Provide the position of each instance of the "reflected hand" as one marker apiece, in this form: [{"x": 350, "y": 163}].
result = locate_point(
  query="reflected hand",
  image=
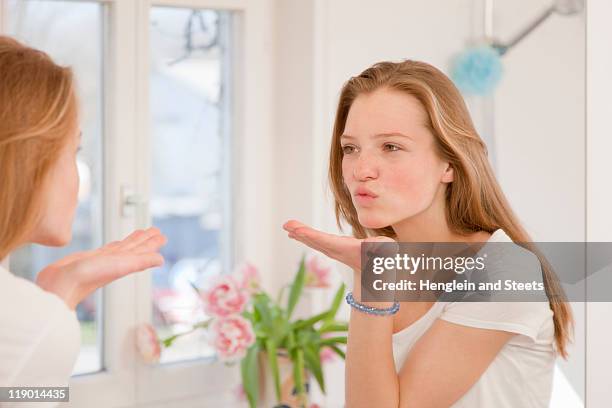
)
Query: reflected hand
[
  {"x": 76, "y": 276},
  {"x": 344, "y": 249}
]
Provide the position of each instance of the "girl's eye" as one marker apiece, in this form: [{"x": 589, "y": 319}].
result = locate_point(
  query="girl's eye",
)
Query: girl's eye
[
  {"x": 348, "y": 149},
  {"x": 391, "y": 147}
]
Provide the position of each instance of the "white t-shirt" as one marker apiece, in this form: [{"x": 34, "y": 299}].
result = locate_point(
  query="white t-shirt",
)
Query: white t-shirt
[
  {"x": 522, "y": 372},
  {"x": 39, "y": 337}
]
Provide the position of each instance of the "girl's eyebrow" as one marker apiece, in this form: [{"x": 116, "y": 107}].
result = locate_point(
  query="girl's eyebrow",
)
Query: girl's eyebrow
[
  {"x": 393, "y": 134},
  {"x": 380, "y": 135}
]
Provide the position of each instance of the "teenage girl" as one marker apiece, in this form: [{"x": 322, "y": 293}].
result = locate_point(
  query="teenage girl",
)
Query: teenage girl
[{"x": 407, "y": 164}]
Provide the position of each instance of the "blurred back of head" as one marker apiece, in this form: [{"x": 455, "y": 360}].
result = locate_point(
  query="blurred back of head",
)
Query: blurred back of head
[{"x": 38, "y": 113}]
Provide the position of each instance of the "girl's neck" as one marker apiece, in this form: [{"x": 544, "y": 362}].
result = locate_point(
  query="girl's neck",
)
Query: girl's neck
[{"x": 423, "y": 228}]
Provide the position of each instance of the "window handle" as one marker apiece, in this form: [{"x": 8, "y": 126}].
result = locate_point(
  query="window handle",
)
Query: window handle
[{"x": 131, "y": 201}]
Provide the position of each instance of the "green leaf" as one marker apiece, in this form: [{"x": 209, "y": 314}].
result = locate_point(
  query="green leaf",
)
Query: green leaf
[
  {"x": 298, "y": 371},
  {"x": 290, "y": 341},
  {"x": 307, "y": 337},
  {"x": 296, "y": 287},
  {"x": 336, "y": 302},
  {"x": 250, "y": 375},
  {"x": 273, "y": 360},
  {"x": 337, "y": 350},
  {"x": 333, "y": 340},
  {"x": 281, "y": 292},
  {"x": 261, "y": 306},
  {"x": 309, "y": 322},
  {"x": 333, "y": 326},
  {"x": 313, "y": 361},
  {"x": 280, "y": 326}
]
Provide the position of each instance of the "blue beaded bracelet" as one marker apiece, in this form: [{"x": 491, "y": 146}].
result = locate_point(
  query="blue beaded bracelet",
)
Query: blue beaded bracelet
[{"x": 369, "y": 309}]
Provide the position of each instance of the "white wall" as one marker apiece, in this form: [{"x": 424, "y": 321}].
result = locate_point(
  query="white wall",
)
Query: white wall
[
  {"x": 539, "y": 125},
  {"x": 599, "y": 194},
  {"x": 538, "y": 120}
]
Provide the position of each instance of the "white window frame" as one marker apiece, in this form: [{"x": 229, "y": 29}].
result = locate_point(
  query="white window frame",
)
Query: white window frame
[{"x": 126, "y": 382}]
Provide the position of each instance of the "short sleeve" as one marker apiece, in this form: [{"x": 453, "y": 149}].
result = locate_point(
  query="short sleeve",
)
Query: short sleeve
[{"x": 526, "y": 318}]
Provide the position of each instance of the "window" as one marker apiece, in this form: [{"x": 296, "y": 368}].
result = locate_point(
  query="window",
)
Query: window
[{"x": 190, "y": 180}]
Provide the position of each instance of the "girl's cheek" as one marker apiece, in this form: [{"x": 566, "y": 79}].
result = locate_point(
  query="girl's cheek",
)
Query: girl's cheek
[
  {"x": 399, "y": 178},
  {"x": 346, "y": 172}
]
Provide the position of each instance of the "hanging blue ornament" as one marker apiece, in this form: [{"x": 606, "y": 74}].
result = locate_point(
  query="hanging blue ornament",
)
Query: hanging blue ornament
[{"x": 477, "y": 70}]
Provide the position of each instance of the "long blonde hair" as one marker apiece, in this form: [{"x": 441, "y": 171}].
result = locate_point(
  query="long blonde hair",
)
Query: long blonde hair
[
  {"x": 474, "y": 200},
  {"x": 38, "y": 112}
]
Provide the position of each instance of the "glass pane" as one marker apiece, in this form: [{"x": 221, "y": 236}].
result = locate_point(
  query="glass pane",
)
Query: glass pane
[
  {"x": 190, "y": 198},
  {"x": 51, "y": 26}
]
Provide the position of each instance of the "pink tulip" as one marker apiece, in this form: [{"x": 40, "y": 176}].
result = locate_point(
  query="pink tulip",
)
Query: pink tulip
[
  {"x": 317, "y": 273},
  {"x": 327, "y": 355},
  {"x": 232, "y": 336},
  {"x": 248, "y": 278},
  {"x": 224, "y": 298},
  {"x": 147, "y": 343},
  {"x": 240, "y": 393}
]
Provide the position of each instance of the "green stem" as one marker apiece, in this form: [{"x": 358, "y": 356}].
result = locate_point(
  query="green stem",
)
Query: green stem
[{"x": 167, "y": 342}]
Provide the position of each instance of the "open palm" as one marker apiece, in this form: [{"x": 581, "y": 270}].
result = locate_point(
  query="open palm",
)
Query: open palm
[
  {"x": 76, "y": 276},
  {"x": 344, "y": 249}
]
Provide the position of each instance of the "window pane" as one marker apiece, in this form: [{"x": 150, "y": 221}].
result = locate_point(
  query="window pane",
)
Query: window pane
[
  {"x": 190, "y": 198},
  {"x": 71, "y": 32}
]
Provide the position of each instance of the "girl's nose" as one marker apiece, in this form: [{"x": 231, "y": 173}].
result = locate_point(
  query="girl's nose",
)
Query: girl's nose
[{"x": 365, "y": 168}]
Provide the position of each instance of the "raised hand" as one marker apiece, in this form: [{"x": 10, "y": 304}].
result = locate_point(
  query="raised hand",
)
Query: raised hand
[
  {"x": 76, "y": 276},
  {"x": 344, "y": 249}
]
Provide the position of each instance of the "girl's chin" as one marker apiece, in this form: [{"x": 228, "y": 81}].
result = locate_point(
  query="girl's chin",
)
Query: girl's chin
[{"x": 372, "y": 223}]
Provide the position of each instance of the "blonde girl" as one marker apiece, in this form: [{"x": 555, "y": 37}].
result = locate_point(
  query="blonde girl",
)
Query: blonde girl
[{"x": 407, "y": 164}]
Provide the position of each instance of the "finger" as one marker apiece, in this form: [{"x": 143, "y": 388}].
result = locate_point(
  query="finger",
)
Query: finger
[
  {"x": 128, "y": 264},
  {"x": 347, "y": 251},
  {"x": 112, "y": 245},
  {"x": 135, "y": 236},
  {"x": 138, "y": 237},
  {"x": 320, "y": 239},
  {"x": 291, "y": 225},
  {"x": 152, "y": 244},
  {"x": 333, "y": 246},
  {"x": 141, "y": 262}
]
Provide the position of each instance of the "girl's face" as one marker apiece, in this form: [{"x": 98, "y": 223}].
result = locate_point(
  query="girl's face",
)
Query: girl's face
[
  {"x": 60, "y": 198},
  {"x": 390, "y": 164}
]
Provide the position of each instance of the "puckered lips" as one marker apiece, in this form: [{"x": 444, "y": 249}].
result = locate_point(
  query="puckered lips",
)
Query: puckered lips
[{"x": 364, "y": 196}]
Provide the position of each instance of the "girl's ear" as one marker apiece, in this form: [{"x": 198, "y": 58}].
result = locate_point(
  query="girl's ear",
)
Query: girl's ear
[{"x": 448, "y": 176}]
